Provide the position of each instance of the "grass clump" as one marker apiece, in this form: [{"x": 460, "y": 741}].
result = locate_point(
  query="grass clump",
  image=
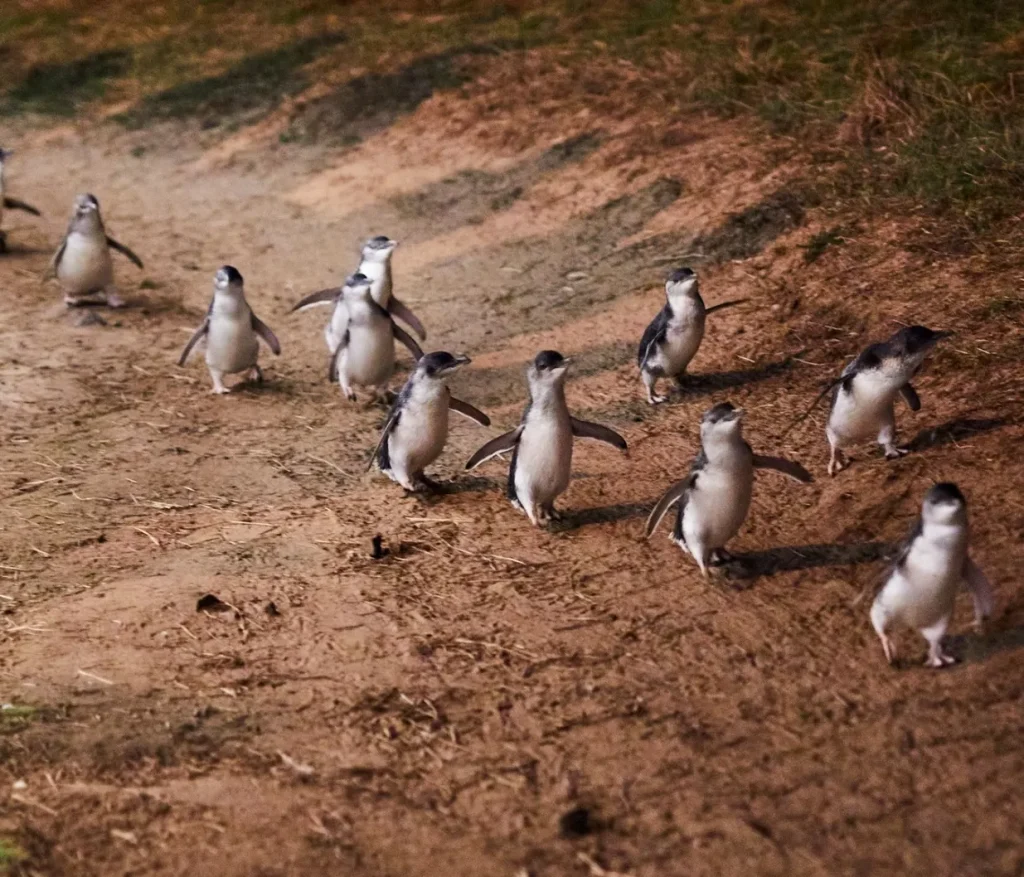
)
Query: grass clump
[{"x": 10, "y": 855}]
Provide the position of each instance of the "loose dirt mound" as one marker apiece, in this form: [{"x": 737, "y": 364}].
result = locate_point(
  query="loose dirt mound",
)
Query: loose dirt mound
[{"x": 487, "y": 698}]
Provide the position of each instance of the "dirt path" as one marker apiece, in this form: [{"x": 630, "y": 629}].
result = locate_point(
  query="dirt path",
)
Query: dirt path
[{"x": 489, "y": 699}]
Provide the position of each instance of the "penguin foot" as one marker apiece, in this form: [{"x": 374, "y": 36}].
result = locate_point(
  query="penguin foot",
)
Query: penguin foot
[
  {"x": 837, "y": 464},
  {"x": 653, "y": 399},
  {"x": 720, "y": 557},
  {"x": 894, "y": 453},
  {"x": 113, "y": 300},
  {"x": 939, "y": 660},
  {"x": 256, "y": 374},
  {"x": 889, "y": 647},
  {"x": 220, "y": 391},
  {"x": 350, "y": 395}
]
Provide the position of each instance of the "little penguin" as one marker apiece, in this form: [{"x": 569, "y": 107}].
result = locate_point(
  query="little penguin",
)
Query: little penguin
[
  {"x": 674, "y": 336},
  {"x": 542, "y": 443},
  {"x": 8, "y": 203},
  {"x": 932, "y": 564},
  {"x": 417, "y": 427},
  {"x": 82, "y": 263},
  {"x": 231, "y": 330},
  {"x": 365, "y": 354},
  {"x": 376, "y": 266},
  {"x": 714, "y": 498},
  {"x": 864, "y": 395}
]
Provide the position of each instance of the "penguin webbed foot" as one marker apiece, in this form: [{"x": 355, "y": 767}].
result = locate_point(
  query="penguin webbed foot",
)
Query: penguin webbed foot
[
  {"x": 656, "y": 399},
  {"x": 256, "y": 375},
  {"x": 894, "y": 453},
  {"x": 721, "y": 557}
]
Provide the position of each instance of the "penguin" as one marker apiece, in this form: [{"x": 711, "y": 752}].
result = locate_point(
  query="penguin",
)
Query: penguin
[
  {"x": 8, "y": 203},
  {"x": 714, "y": 498},
  {"x": 231, "y": 330},
  {"x": 864, "y": 395},
  {"x": 922, "y": 585},
  {"x": 417, "y": 427},
  {"x": 365, "y": 354},
  {"x": 674, "y": 336},
  {"x": 375, "y": 264},
  {"x": 542, "y": 443},
  {"x": 82, "y": 263}
]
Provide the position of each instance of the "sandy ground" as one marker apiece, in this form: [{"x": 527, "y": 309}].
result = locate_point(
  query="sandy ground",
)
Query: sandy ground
[{"x": 489, "y": 698}]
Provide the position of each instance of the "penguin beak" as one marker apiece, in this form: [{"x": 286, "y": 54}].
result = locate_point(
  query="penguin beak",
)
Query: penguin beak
[
  {"x": 940, "y": 335},
  {"x": 460, "y": 360}
]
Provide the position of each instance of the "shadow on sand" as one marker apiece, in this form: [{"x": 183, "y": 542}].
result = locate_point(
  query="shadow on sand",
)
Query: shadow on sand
[
  {"x": 788, "y": 559},
  {"x": 708, "y": 382},
  {"x": 954, "y": 431}
]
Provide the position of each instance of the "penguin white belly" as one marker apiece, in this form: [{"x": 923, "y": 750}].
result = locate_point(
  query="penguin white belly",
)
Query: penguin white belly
[
  {"x": 718, "y": 507},
  {"x": 336, "y": 328},
  {"x": 419, "y": 438},
  {"x": 680, "y": 346},
  {"x": 231, "y": 345},
  {"x": 85, "y": 264},
  {"x": 543, "y": 460},
  {"x": 923, "y": 590},
  {"x": 861, "y": 413},
  {"x": 377, "y": 273},
  {"x": 369, "y": 358}
]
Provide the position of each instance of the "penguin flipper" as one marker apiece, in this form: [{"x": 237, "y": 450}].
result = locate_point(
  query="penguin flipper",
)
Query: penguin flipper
[
  {"x": 835, "y": 382},
  {"x": 786, "y": 467},
  {"x": 586, "y": 429},
  {"x": 15, "y": 204},
  {"x": 264, "y": 331},
  {"x": 51, "y": 269},
  {"x": 321, "y": 297},
  {"x": 653, "y": 335},
  {"x": 380, "y": 451},
  {"x": 495, "y": 446},
  {"x": 407, "y": 339},
  {"x": 910, "y": 396},
  {"x": 981, "y": 590},
  {"x": 332, "y": 370},
  {"x": 124, "y": 251},
  {"x": 199, "y": 333},
  {"x": 398, "y": 309},
  {"x": 678, "y": 492},
  {"x": 725, "y": 304},
  {"x": 467, "y": 410}
]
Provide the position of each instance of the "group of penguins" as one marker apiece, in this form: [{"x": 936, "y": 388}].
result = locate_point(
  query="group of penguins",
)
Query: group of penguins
[{"x": 711, "y": 502}]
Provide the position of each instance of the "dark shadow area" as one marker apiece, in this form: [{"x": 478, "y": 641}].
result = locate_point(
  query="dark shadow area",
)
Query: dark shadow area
[
  {"x": 470, "y": 484},
  {"x": 776, "y": 560},
  {"x": 710, "y": 382},
  {"x": 745, "y": 234},
  {"x": 370, "y": 103},
  {"x": 955, "y": 431},
  {"x": 469, "y": 197},
  {"x": 59, "y": 89},
  {"x": 975, "y": 647},
  {"x": 256, "y": 84},
  {"x": 573, "y": 520}
]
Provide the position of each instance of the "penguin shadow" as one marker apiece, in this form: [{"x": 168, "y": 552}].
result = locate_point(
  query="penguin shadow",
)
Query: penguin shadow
[
  {"x": 979, "y": 646},
  {"x": 954, "y": 431},
  {"x": 773, "y": 561},
  {"x": 710, "y": 382},
  {"x": 13, "y": 252},
  {"x": 574, "y": 520},
  {"x": 467, "y": 484}
]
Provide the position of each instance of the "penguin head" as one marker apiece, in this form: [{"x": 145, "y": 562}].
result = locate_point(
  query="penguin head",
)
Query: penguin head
[
  {"x": 227, "y": 279},
  {"x": 548, "y": 369},
  {"x": 913, "y": 343},
  {"x": 379, "y": 248},
  {"x": 86, "y": 213},
  {"x": 721, "y": 421},
  {"x": 944, "y": 504},
  {"x": 681, "y": 283},
  {"x": 440, "y": 364},
  {"x": 356, "y": 288}
]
